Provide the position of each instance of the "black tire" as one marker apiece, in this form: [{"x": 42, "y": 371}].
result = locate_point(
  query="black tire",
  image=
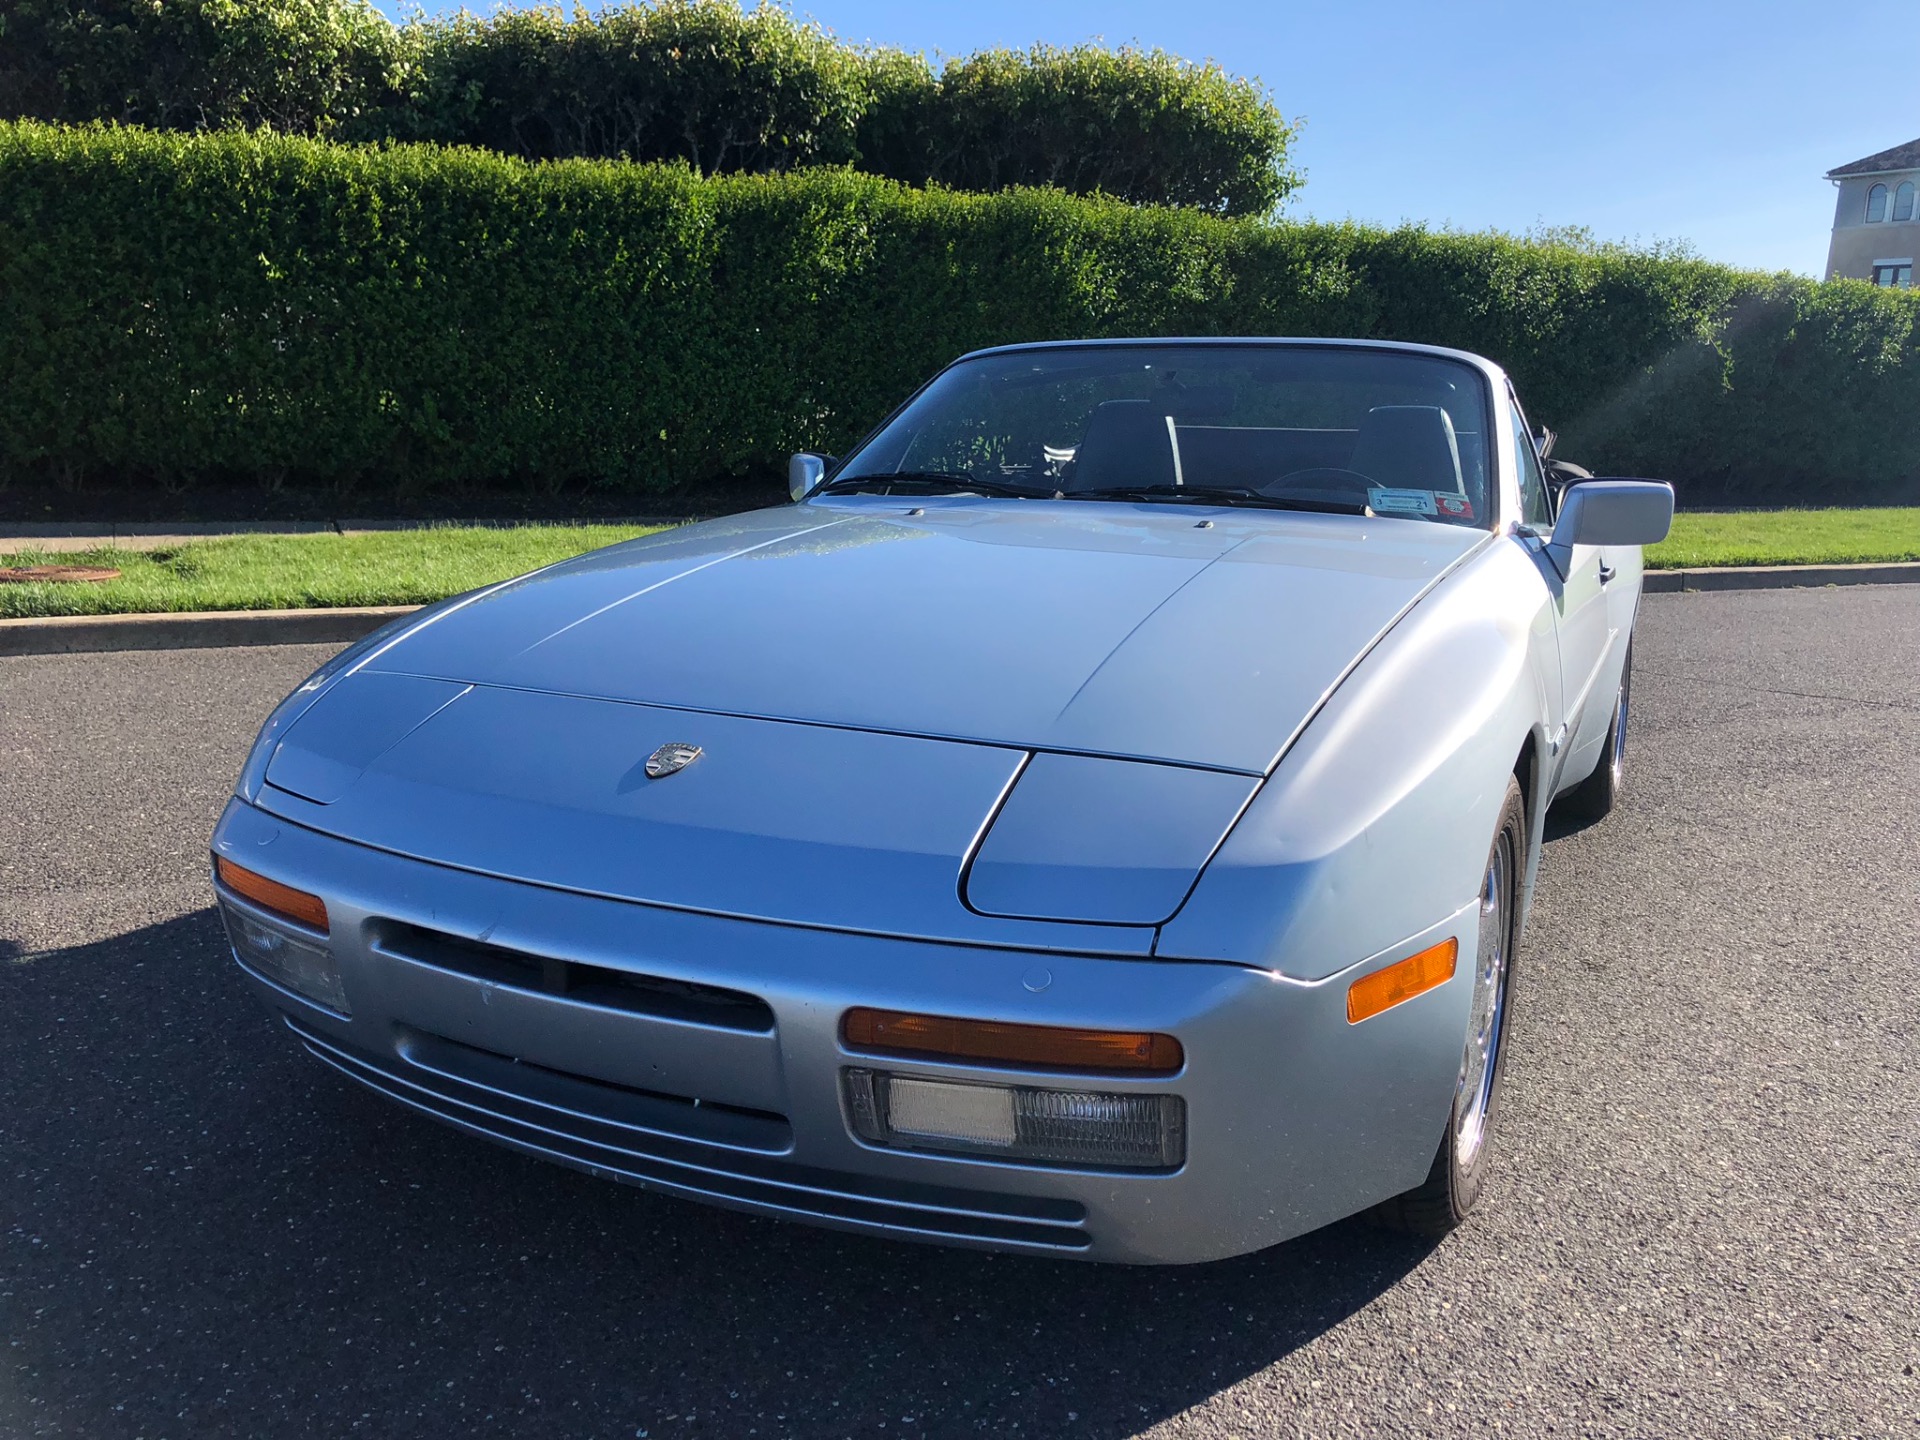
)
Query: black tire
[
  {"x": 1594, "y": 797},
  {"x": 1459, "y": 1168}
]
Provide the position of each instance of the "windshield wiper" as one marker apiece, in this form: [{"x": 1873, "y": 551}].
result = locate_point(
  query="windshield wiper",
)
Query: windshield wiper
[
  {"x": 1221, "y": 495},
  {"x": 931, "y": 482}
]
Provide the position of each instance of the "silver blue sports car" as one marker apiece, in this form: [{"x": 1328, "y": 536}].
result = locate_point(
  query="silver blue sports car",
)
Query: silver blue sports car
[{"x": 1096, "y": 819}]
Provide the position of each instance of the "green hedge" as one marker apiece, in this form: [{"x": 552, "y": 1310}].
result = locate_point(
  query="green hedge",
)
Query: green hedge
[
  {"x": 186, "y": 310},
  {"x": 704, "y": 81}
]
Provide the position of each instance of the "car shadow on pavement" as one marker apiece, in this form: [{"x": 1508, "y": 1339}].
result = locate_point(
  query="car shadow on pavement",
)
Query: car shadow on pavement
[
  {"x": 208, "y": 1233},
  {"x": 1560, "y": 826}
]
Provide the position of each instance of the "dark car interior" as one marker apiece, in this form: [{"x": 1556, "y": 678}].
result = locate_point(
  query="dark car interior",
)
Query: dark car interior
[
  {"x": 1352, "y": 431},
  {"x": 1131, "y": 443}
]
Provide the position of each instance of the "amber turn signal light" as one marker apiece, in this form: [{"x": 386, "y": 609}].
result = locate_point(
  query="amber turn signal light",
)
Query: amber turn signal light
[
  {"x": 1054, "y": 1047},
  {"x": 284, "y": 900},
  {"x": 1402, "y": 980}
]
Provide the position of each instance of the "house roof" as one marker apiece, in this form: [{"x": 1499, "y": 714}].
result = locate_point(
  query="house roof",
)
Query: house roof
[{"x": 1900, "y": 157}]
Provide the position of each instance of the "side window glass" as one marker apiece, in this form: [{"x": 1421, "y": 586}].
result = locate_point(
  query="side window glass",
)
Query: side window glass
[{"x": 1536, "y": 509}]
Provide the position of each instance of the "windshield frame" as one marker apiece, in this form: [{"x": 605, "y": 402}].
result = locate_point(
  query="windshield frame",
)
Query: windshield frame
[{"x": 1491, "y": 412}]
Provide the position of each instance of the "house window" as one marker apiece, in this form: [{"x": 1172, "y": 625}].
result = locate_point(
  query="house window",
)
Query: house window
[
  {"x": 1903, "y": 201},
  {"x": 1876, "y": 204},
  {"x": 1894, "y": 274}
]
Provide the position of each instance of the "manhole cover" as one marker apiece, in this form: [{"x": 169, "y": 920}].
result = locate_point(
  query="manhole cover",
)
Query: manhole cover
[{"x": 70, "y": 574}]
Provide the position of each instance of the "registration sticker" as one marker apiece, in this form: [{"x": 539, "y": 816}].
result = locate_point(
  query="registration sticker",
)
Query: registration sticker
[
  {"x": 1400, "y": 502},
  {"x": 1459, "y": 507}
]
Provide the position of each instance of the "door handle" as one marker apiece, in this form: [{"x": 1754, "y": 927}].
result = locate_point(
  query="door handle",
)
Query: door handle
[{"x": 1607, "y": 572}]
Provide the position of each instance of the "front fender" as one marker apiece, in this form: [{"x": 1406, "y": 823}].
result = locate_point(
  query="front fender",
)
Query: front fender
[{"x": 1376, "y": 823}]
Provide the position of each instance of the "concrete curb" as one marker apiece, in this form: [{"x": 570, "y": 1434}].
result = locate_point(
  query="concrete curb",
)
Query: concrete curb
[
  {"x": 192, "y": 630},
  {"x": 1777, "y": 577}
]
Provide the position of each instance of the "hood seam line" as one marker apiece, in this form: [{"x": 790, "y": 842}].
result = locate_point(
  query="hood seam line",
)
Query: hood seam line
[
  {"x": 1121, "y": 643},
  {"x": 669, "y": 579}
]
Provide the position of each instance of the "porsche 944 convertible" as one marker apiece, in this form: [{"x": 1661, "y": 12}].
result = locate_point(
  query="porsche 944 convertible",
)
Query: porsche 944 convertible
[{"x": 1096, "y": 819}]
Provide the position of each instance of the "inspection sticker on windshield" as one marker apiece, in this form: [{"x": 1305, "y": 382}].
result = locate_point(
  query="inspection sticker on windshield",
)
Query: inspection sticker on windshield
[
  {"x": 1400, "y": 502},
  {"x": 1458, "y": 506}
]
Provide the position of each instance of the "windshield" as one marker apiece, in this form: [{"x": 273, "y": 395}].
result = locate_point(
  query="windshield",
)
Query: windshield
[{"x": 1317, "y": 427}]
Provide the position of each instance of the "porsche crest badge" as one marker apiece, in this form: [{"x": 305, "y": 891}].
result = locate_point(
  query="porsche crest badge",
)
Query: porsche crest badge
[{"x": 671, "y": 760}]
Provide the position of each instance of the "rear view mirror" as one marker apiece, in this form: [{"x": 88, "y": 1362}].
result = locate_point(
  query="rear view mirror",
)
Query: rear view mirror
[
  {"x": 1611, "y": 512},
  {"x": 804, "y": 471}
]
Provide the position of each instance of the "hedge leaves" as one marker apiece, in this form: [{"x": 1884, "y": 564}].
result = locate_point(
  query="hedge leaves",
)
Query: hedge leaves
[
  {"x": 703, "y": 81},
  {"x": 181, "y": 309}
]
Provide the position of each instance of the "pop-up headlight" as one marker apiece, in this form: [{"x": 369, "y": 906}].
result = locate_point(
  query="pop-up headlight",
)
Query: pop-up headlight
[{"x": 1108, "y": 841}]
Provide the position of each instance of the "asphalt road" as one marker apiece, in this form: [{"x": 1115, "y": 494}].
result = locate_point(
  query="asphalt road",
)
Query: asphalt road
[{"x": 1705, "y": 1220}]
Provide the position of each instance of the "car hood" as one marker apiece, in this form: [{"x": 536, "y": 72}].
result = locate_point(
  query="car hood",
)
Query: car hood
[{"x": 1168, "y": 633}]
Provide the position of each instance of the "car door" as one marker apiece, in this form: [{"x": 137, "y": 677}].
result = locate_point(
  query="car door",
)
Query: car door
[{"x": 1580, "y": 606}]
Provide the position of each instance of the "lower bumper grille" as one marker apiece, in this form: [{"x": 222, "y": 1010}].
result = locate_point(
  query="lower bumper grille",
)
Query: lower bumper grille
[{"x": 719, "y": 1155}]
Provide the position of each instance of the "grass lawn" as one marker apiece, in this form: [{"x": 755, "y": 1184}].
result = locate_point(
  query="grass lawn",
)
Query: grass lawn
[
  {"x": 1788, "y": 537},
  {"x": 410, "y": 567},
  {"x": 284, "y": 572}
]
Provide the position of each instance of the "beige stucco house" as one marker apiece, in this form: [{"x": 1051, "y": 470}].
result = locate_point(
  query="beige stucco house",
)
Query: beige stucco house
[{"x": 1876, "y": 222}]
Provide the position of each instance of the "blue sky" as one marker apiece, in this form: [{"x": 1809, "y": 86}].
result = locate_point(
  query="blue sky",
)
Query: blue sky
[{"x": 1712, "y": 123}]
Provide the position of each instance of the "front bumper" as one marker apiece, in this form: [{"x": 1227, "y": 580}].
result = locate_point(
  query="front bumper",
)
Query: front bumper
[{"x": 1294, "y": 1117}]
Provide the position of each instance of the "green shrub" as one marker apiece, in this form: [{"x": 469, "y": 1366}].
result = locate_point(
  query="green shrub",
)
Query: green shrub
[
  {"x": 303, "y": 66},
  {"x": 194, "y": 309},
  {"x": 696, "y": 80},
  {"x": 724, "y": 89},
  {"x": 730, "y": 90},
  {"x": 1137, "y": 125}
]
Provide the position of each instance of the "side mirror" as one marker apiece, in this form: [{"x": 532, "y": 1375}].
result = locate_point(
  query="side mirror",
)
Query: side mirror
[
  {"x": 1611, "y": 512},
  {"x": 804, "y": 471}
]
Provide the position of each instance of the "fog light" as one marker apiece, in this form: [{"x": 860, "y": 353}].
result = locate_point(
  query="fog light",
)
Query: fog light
[
  {"x": 1013, "y": 1122},
  {"x": 297, "y": 963}
]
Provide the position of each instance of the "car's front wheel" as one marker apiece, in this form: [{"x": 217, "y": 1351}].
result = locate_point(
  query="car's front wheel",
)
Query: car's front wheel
[{"x": 1459, "y": 1168}]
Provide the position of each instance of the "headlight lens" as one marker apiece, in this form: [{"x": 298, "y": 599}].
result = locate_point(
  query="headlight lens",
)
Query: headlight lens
[
  {"x": 1017, "y": 1122},
  {"x": 280, "y": 953}
]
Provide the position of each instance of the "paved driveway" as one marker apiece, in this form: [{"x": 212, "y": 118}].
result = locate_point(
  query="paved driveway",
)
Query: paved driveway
[{"x": 1705, "y": 1220}]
